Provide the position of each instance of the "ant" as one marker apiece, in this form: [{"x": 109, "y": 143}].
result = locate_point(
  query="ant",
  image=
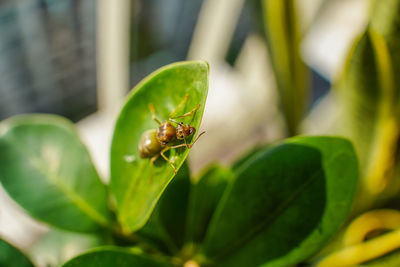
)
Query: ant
[{"x": 154, "y": 142}]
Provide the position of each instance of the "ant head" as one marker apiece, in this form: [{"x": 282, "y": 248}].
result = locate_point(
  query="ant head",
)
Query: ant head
[{"x": 184, "y": 130}]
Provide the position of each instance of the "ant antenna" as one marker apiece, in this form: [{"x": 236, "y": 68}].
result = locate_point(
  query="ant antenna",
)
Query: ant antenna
[
  {"x": 174, "y": 121},
  {"x": 203, "y": 132}
]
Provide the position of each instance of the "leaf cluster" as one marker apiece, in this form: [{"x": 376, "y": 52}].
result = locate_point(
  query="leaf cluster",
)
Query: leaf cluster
[{"x": 274, "y": 207}]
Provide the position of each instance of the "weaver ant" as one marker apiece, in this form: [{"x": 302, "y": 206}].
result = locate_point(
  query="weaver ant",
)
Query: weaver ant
[{"x": 155, "y": 142}]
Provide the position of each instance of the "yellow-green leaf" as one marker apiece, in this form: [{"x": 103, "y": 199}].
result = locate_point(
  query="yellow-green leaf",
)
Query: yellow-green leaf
[
  {"x": 135, "y": 183},
  {"x": 291, "y": 75}
]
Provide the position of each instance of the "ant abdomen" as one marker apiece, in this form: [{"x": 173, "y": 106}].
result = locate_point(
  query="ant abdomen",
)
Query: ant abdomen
[{"x": 149, "y": 146}]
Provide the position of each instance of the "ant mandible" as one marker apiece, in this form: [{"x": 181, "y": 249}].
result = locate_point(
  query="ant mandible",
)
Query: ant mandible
[{"x": 154, "y": 142}]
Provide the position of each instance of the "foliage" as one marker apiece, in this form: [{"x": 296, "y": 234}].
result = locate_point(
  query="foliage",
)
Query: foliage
[
  {"x": 165, "y": 89},
  {"x": 291, "y": 74},
  {"x": 228, "y": 217},
  {"x": 10, "y": 256},
  {"x": 278, "y": 205},
  {"x": 367, "y": 99}
]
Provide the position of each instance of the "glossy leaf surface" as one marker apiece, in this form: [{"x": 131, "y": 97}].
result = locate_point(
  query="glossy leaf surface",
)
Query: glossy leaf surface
[
  {"x": 48, "y": 171},
  {"x": 284, "y": 204},
  {"x": 113, "y": 256},
  {"x": 247, "y": 155},
  {"x": 10, "y": 256},
  {"x": 168, "y": 220},
  {"x": 135, "y": 186}
]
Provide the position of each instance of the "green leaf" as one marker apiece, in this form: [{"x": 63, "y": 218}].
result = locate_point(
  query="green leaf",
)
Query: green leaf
[
  {"x": 48, "y": 171},
  {"x": 366, "y": 94},
  {"x": 291, "y": 75},
  {"x": 385, "y": 21},
  {"x": 168, "y": 220},
  {"x": 247, "y": 155},
  {"x": 284, "y": 204},
  {"x": 113, "y": 256},
  {"x": 10, "y": 256},
  {"x": 204, "y": 198},
  {"x": 135, "y": 191}
]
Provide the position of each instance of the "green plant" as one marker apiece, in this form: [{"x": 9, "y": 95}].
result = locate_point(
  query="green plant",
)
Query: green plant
[
  {"x": 366, "y": 104},
  {"x": 303, "y": 200},
  {"x": 275, "y": 207}
]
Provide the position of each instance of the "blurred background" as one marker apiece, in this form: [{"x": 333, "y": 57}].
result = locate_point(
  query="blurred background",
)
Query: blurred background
[{"x": 79, "y": 58}]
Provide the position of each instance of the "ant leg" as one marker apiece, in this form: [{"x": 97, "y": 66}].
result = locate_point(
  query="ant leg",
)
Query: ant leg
[
  {"x": 153, "y": 113},
  {"x": 203, "y": 132},
  {"x": 152, "y": 167},
  {"x": 165, "y": 157},
  {"x": 187, "y": 113},
  {"x": 182, "y": 145},
  {"x": 186, "y": 144},
  {"x": 177, "y": 146},
  {"x": 180, "y": 105}
]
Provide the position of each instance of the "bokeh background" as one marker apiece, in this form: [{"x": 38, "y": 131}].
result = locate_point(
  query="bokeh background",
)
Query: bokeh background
[{"x": 79, "y": 58}]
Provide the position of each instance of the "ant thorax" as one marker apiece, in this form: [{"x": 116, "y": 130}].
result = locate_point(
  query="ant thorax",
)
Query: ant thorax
[{"x": 166, "y": 133}]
